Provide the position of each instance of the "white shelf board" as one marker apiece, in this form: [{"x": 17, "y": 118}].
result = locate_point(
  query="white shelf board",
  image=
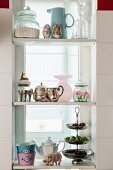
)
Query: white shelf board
[
  {"x": 17, "y": 103},
  {"x": 50, "y": 42},
  {"x": 65, "y": 164}
]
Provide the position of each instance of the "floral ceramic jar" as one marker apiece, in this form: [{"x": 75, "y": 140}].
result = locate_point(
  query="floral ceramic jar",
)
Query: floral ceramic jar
[{"x": 81, "y": 92}]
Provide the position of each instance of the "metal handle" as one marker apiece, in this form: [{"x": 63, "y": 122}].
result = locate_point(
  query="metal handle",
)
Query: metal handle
[
  {"x": 61, "y": 87},
  {"x": 49, "y": 10},
  {"x": 63, "y": 145}
]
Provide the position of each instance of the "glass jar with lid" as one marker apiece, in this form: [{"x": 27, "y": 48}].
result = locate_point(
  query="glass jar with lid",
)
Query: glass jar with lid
[
  {"x": 26, "y": 24},
  {"x": 81, "y": 92}
]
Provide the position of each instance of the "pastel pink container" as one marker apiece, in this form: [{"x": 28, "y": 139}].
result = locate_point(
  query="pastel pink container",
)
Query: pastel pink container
[{"x": 26, "y": 159}]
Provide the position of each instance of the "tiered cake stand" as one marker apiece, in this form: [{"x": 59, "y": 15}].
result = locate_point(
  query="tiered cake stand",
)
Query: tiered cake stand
[{"x": 78, "y": 155}]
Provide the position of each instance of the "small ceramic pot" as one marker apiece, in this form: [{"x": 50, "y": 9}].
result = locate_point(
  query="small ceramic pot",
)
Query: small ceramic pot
[
  {"x": 26, "y": 159},
  {"x": 28, "y": 147}
]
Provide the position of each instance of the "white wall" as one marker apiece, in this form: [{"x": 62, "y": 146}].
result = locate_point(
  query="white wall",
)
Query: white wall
[
  {"x": 5, "y": 89},
  {"x": 104, "y": 90}
]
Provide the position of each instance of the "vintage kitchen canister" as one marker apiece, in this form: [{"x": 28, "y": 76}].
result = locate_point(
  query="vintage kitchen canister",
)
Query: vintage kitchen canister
[
  {"x": 81, "y": 92},
  {"x": 26, "y": 24}
]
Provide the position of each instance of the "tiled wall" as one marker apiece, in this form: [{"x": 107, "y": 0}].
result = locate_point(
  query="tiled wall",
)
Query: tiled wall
[
  {"x": 4, "y": 4},
  {"x": 5, "y": 89},
  {"x": 104, "y": 90}
]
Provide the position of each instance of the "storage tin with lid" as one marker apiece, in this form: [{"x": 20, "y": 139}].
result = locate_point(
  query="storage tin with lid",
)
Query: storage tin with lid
[{"x": 81, "y": 92}]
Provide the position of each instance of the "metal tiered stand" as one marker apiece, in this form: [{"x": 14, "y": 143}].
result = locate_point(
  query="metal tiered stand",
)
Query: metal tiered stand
[{"x": 78, "y": 155}]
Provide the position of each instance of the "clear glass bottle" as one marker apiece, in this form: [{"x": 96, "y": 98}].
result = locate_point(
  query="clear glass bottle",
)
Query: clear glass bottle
[
  {"x": 81, "y": 92},
  {"x": 26, "y": 24},
  {"x": 80, "y": 30}
]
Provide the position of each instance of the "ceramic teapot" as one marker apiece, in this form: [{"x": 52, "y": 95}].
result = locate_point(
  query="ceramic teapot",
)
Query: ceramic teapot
[{"x": 49, "y": 147}]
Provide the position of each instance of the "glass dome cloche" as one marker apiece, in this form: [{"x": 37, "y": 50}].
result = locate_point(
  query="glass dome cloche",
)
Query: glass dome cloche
[{"x": 26, "y": 24}]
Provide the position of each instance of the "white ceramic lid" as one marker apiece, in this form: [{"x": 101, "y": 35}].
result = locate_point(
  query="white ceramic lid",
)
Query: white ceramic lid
[
  {"x": 49, "y": 142},
  {"x": 81, "y": 84}
]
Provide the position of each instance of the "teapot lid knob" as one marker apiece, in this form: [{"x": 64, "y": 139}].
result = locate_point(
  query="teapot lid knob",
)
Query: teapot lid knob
[
  {"x": 27, "y": 8},
  {"x": 49, "y": 142},
  {"x": 49, "y": 139}
]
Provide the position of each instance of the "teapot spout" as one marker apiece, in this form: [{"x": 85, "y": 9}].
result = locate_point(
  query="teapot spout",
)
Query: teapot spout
[
  {"x": 49, "y": 10},
  {"x": 38, "y": 148},
  {"x": 63, "y": 145}
]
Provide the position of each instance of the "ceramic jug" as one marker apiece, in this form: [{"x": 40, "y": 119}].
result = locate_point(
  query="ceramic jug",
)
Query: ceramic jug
[
  {"x": 55, "y": 93},
  {"x": 58, "y": 20}
]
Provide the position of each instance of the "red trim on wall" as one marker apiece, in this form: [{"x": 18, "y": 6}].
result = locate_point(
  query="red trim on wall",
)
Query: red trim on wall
[
  {"x": 105, "y": 5},
  {"x": 4, "y": 3}
]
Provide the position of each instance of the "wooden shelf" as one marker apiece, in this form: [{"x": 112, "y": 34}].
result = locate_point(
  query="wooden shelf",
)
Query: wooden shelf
[
  {"x": 16, "y": 103},
  {"x": 65, "y": 164},
  {"x": 53, "y": 42}
]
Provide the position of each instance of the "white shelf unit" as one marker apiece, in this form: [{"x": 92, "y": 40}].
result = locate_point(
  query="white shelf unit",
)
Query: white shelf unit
[
  {"x": 65, "y": 164},
  {"x": 53, "y": 42},
  {"x": 17, "y": 103}
]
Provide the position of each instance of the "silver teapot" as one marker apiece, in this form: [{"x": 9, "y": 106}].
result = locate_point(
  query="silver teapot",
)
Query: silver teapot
[
  {"x": 55, "y": 93},
  {"x": 40, "y": 93}
]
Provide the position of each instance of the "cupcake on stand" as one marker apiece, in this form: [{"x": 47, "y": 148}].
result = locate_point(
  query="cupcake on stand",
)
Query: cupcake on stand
[
  {"x": 24, "y": 81},
  {"x": 24, "y": 93}
]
